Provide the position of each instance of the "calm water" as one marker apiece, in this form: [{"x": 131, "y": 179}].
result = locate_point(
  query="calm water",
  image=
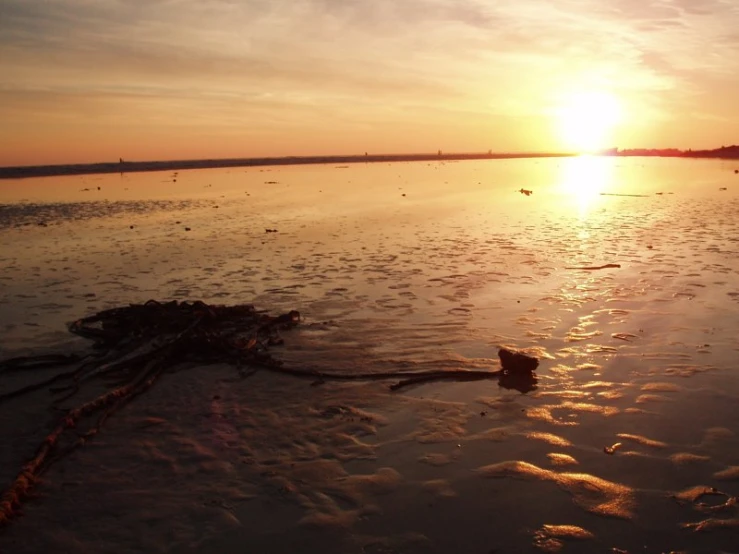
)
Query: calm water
[{"x": 418, "y": 266}]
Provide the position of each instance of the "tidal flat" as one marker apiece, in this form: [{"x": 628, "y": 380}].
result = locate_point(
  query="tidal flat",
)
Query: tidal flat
[{"x": 627, "y": 440}]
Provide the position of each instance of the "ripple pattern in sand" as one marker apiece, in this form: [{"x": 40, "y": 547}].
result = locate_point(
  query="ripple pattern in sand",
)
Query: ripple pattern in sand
[{"x": 632, "y": 357}]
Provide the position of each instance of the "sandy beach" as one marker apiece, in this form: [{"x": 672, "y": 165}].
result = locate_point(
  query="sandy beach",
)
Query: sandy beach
[{"x": 414, "y": 266}]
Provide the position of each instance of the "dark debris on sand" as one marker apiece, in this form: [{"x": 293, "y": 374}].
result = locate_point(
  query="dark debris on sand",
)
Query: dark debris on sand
[{"x": 137, "y": 344}]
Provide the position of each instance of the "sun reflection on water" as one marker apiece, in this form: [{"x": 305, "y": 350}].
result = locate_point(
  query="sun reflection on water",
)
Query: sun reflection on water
[{"x": 584, "y": 178}]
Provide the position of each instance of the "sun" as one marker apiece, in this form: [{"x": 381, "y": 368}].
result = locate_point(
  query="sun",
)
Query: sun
[{"x": 586, "y": 120}]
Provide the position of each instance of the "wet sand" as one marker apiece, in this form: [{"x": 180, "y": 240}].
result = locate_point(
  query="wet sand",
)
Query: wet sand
[{"x": 404, "y": 265}]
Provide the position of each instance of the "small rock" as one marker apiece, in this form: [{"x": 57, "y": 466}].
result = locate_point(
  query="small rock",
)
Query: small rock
[
  {"x": 187, "y": 228},
  {"x": 517, "y": 362}
]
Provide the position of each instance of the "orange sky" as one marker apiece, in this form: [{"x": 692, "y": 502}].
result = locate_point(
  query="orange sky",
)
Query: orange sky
[{"x": 88, "y": 81}]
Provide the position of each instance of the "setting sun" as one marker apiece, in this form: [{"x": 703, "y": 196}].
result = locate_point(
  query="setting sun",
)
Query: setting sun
[{"x": 586, "y": 120}]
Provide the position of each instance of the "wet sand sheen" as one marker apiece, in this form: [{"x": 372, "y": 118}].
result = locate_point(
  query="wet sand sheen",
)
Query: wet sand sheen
[{"x": 640, "y": 355}]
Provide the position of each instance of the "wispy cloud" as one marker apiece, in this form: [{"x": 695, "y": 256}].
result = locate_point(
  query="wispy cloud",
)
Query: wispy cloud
[{"x": 360, "y": 61}]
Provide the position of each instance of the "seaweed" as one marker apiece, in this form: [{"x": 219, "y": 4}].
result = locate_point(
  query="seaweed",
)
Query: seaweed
[{"x": 137, "y": 344}]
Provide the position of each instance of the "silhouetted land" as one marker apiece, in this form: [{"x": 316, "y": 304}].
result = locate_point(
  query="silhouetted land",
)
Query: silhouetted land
[
  {"x": 175, "y": 165},
  {"x": 725, "y": 152}
]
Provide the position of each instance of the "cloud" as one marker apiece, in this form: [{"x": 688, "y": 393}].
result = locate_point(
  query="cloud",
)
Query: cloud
[
  {"x": 391, "y": 59},
  {"x": 410, "y": 40}
]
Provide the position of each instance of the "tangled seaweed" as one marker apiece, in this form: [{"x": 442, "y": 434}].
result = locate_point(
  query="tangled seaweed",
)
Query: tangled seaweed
[{"x": 136, "y": 344}]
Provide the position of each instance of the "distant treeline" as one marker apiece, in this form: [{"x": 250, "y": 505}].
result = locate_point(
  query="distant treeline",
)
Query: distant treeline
[{"x": 725, "y": 152}]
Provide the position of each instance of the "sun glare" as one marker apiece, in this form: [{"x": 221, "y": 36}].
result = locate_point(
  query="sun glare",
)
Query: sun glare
[
  {"x": 586, "y": 121},
  {"x": 584, "y": 178}
]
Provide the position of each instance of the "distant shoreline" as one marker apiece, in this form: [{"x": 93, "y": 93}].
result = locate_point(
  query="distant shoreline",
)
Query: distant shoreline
[{"x": 22, "y": 172}]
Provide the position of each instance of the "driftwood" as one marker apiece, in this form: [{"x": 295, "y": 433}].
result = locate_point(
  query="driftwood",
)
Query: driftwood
[
  {"x": 136, "y": 344},
  {"x": 596, "y": 267}
]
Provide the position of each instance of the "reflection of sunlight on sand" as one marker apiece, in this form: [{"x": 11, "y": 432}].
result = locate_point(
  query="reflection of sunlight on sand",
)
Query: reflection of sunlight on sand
[
  {"x": 416, "y": 267},
  {"x": 592, "y": 493},
  {"x": 584, "y": 178}
]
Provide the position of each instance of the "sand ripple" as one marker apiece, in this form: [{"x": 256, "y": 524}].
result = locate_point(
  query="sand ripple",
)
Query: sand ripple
[
  {"x": 437, "y": 279},
  {"x": 589, "y": 492}
]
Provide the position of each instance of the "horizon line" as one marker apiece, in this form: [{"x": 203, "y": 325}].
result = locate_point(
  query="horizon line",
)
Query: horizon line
[{"x": 123, "y": 166}]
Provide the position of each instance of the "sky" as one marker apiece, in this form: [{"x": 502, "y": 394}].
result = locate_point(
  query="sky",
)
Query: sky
[{"x": 96, "y": 80}]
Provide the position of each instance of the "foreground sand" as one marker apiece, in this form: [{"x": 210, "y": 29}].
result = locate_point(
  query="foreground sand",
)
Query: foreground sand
[{"x": 404, "y": 265}]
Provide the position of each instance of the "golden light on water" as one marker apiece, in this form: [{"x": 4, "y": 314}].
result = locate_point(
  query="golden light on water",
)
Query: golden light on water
[
  {"x": 584, "y": 178},
  {"x": 586, "y": 120}
]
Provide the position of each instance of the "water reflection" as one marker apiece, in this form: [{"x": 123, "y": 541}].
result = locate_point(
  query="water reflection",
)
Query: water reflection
[
  {"x": 583, "y": 178},
  {"x": 522, "y": 382}
]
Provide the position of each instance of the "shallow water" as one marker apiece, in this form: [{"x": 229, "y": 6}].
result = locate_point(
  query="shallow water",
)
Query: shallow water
[{"x": 409, "y": 265}]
